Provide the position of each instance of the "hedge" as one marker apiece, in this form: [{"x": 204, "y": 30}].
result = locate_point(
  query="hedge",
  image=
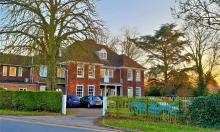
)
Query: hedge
[
  {"x": 205, "y": 112},
  {"x": 31, "y": 101}
]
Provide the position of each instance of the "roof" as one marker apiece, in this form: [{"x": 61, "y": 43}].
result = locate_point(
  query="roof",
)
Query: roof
[
  {"x": 12, "y": 59},
  {"x": 82, "y": 51},
  {"x": 86, "y": 51}
]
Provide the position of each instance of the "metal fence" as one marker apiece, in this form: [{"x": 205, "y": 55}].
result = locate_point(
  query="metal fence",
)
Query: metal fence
[{"x": 166, "y": 109}]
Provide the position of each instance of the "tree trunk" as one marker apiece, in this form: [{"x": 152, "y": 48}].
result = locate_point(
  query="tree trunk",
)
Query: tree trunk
[{"x": 52, "y": 73}]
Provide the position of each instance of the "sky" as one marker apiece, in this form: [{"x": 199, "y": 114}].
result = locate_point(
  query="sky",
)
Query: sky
[{"x": 144, "y": 15}]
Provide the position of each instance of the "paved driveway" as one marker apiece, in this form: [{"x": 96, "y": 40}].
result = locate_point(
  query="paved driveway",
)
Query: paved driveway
[{"x": 83, "y": 118}]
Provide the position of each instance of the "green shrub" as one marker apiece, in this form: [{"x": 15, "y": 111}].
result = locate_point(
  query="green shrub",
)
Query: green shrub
[
  {"x": 154, "y": 92},
  {"x": 205, "y": 112},
  {"x": 31, "y": 101}
]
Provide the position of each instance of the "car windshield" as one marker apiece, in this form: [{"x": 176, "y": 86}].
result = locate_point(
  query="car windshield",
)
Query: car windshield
[
  {"x": 96, "y": 98},
  {"x": 74, "y": 98}
]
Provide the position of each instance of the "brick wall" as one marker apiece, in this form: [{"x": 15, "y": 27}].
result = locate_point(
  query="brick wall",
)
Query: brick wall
[
  {"x": 10, "y": 86},
  {"x": 74, "y": 81},
  {"x": 25, "y": 74}
]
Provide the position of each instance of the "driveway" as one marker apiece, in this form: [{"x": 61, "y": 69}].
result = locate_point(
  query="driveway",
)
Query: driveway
[{"x": 83, "y": 118}]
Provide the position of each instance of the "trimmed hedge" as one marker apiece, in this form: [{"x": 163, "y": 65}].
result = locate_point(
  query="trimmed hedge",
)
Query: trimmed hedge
[
  {"x": 205, "y": 112},
  {"x": 31, "y": 101}
]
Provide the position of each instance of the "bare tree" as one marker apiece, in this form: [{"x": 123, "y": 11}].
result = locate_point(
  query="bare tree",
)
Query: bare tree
[
  {"x": 203, "y": 12},
  {"x": 203, "y": 47},
  {"x": 43, "y": 26},
  {"x": 107, "y": 39},
  {"x": 127, "y": 46}
]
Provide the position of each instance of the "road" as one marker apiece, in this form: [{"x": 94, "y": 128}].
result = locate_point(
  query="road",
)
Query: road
[{"x": 21, "y": 126}]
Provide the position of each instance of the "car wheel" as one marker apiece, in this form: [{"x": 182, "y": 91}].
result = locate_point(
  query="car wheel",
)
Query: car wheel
[{"x": 88, "y": 105}]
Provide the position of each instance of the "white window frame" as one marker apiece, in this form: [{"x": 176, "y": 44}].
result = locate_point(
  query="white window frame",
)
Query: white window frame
[
  {"x": 78, "y": 91},
  {"x": 91, "y": 72},
  {"x": 43, "y": 71},
  {"x": 10, "y": 71},
  {"x": 20, "y": 71},
  {"x": 138, "y": 77},
  {"x": 89, "y": 86},
  {"x": 130, "y": 78},
  {"x": 103, "y": 54},
  {"x": 80, "y": 66},
  {"x": 107, "y": 73},
  {"x": 62, "y": 72},
  {"x": 139, "y": 92},
  {"x": 4, "y": 74},
  {"x": 22, "y": 89},
  {"x": 132, "y": 93}
]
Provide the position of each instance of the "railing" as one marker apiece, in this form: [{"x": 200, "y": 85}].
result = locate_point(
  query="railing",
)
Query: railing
[{"x": 166, "y": 109}]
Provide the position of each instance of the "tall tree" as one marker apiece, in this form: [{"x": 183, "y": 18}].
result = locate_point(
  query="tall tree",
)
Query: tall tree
[
  {"x": 44, "y": 26},
  {"x": 203, "y": 12},
  {"x": 203, "y": 48},
  {"x": 165, "y": 48}
]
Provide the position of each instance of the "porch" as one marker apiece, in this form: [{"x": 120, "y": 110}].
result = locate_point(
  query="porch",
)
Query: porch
[{"x": 111, "y": 90}]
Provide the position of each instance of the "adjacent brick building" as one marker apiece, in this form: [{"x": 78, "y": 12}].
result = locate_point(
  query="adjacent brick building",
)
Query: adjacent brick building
[{"x": 93, "y": 69}]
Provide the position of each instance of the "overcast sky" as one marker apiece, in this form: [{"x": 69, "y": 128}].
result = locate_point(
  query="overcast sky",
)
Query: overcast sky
[{"x": 145, "y": 15}]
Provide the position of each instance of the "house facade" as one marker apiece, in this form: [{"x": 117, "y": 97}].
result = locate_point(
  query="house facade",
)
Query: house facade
[{"x": 91, "y": 68}]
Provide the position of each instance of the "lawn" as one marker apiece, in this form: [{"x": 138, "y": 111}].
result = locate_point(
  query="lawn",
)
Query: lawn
[
  {"x": 152, "y": 127},
  {"x": 32, "y": 113}
]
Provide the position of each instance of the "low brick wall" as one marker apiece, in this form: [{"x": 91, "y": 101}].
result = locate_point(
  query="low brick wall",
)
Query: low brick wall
[{"x": 14, "y": 86}]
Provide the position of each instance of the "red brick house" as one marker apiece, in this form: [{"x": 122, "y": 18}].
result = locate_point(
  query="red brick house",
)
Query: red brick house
[{"x": 93, "y": 69}]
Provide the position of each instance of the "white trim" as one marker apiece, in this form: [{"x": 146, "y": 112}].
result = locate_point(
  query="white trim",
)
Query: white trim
[
  {"x": 82, "y": 89},
  {"x": 75, "y": 62},
  {"x": 83, "y": 66},
  {"x": 93, "y": 89},
  {"x": 117, "y": 84}
]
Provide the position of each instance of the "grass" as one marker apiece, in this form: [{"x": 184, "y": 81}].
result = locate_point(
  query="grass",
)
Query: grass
[
  {"x": 151, "y": 126},
  {"x": 33, "y": 113}
]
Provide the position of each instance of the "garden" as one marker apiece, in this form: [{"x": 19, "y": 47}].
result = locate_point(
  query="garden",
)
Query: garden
[{"x": 184, "y": 112}]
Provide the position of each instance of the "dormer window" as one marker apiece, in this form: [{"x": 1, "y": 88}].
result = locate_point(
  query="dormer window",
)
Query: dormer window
[{"x": 102, "y": 54}]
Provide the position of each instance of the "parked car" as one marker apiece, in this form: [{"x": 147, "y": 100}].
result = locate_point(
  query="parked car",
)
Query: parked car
[
  {"x": 156, "y": 108},
  {"x": 73, "y": 101},
  {"x": 91, "y": 101}
]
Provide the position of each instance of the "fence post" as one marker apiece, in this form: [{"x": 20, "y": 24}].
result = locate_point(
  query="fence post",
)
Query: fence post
[
  {"x": 104, "y": 109},
  {"x": 64, "y": 104}
]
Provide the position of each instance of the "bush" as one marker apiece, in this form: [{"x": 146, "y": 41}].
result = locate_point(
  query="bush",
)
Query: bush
[
  {"x": 205, "y": 111},
  {"x": 153, "y": 92},
  {"x": 31, "y": 101}
]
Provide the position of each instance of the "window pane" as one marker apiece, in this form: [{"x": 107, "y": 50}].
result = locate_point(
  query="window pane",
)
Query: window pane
[
  {"x": 80, "y": 70},
  {"x": 138, "y": 75},
  {"x": 91, "y": 91},
  {"x": 130, "y": 92},
  {"x": 20, "y": 71},
  {"x": 129, "y": 75},
  {"x": 5, "y": 71},
  {"x": 12, "y": 71},
  {"x": 43, "y": 71},
  {"x": 138, "y": 91},
  {"x": 91, "y": 71},
  {"x": 79, "y": 91},
  {"x": 102, "y": 72},
  {"x": 111, "y": 73}
]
